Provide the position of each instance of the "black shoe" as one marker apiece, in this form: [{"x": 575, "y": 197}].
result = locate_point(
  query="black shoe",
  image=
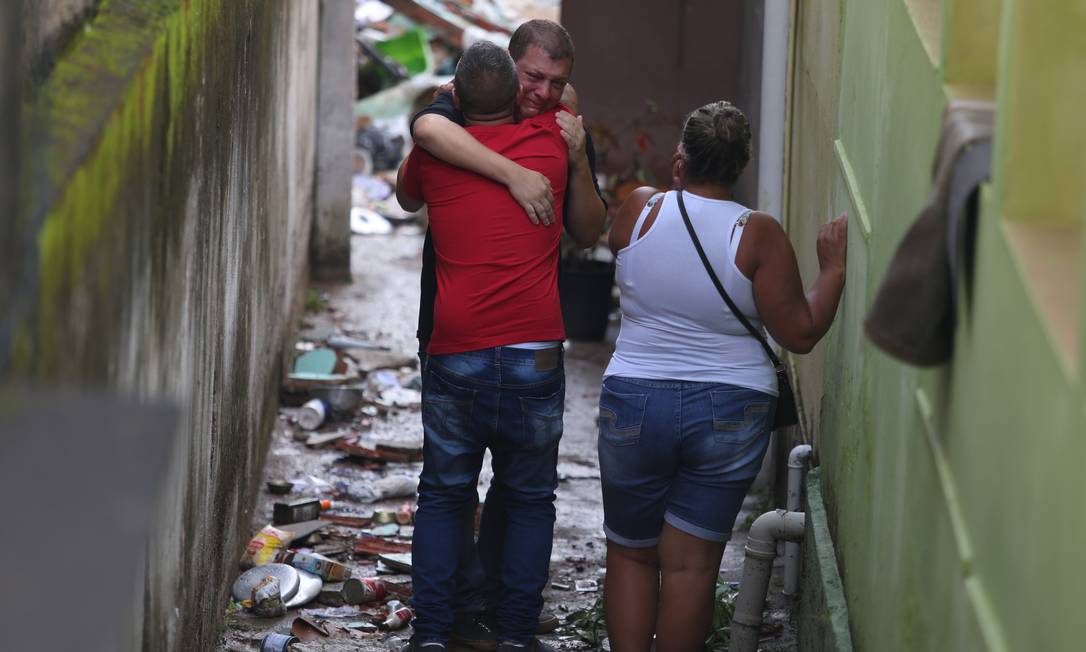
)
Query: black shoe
[
  {"x": 479, "y": 631},
  {"x": 413, "y": 646},
  {"x": 535, "y": 645}
]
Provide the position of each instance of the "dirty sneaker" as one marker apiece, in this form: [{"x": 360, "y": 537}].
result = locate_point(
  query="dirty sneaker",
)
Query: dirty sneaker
[
  {"x": 535, "y": 645},
  {"x": 478, "y": 632},
  {"x": 414, "y": 646}
]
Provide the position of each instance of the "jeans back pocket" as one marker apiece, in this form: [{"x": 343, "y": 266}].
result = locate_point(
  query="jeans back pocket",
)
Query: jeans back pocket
[
  {"x": 543, "y": 419},
  {"x": 739, "y": 414},
  {"x": 621, "y": 416}
]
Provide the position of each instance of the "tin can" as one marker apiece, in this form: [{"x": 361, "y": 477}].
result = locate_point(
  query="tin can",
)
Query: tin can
[
  {"x": 312, "y": 414},
  {"x": 372, "y": 590},
  {"x": 277, "y": 643},
  {"x": 383, "y": 517}
]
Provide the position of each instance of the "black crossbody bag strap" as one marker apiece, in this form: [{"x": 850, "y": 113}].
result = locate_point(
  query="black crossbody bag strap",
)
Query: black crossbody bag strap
[{"x": 720, "y": 287}]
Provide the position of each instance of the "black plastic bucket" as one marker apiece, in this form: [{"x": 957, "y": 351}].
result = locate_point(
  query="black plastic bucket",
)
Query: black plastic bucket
[{"x": 585, "y": 292}]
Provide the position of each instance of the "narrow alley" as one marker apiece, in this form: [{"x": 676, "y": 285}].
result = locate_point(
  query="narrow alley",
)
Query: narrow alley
[{"x": 380, "y": 308}]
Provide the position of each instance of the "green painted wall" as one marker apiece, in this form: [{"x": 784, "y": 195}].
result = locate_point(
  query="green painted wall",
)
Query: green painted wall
[{"x": 950, "y": 492}]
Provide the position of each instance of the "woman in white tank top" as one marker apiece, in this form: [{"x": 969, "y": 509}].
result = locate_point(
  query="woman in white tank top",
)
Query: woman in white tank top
[{"x": 687, "y": 398}]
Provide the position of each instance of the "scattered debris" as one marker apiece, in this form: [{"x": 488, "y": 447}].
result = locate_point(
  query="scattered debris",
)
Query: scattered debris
[
  {"x": 309, "y": 587},
  {"x": 561, "y": 586},
  {"x": 349, "y": 521},
  {"x": 586, "y": 586},
  {"x": 400, "y": 562},
  {"x": 280, "y": 487},
  {"x": 267, "y": 599},
  {"x": 304, "y": 509},
  {"x": 276, "y": 643},
  {"x": 264, "y": 546},
  {"x": 311, "y": 415},
  {"x": 367, "y": 544},
  {"x": 393, "y": 486},
  {"x": 399, "y": 615},
  {"x": 307, "y": 628},
  {"x": 325, "y": 568},
  {"x": 365, "y": 221}
]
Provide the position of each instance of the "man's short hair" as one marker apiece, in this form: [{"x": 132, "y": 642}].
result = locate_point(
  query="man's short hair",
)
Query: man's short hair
[
  {"x": 546, "y": 35},
  {"x": 486, "y": 80}
]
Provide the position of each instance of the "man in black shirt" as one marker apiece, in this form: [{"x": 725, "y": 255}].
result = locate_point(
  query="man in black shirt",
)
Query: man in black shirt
[{"x": 543, "y": 53}]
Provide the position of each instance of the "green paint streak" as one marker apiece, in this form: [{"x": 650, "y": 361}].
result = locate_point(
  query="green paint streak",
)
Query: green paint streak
[{"x": 86, "y": 141}]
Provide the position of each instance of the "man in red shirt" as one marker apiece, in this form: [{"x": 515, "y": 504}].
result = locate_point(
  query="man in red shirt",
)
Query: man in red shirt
[{"x": 494, "y": 375}]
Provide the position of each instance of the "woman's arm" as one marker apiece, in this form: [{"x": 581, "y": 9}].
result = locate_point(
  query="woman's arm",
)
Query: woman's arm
[
  {"x": 797, "y": 321},
  {"x": 622, "y": 228}
]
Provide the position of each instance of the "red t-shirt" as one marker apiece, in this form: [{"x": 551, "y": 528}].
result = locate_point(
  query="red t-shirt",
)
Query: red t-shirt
[{"x": 497, "y": 273}]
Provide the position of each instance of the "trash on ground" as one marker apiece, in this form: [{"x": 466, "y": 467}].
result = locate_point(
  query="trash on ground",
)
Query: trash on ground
[
  {"x": 393, "y": 486},
  {"x": 386, "y": 530},
  {"x": 287, "y": 577},
  {"x": 276, "y": 643},
  {"x": 371, "y": 545},
  {"x": 316, "y": 362},
  {"x": 365, "y": 221},
  {"x": 280, "y": 487},
  {"x": 397, "y": 561},
  {"x": 264, "y": 546},
  {"x": 309, "y": 587},
  {"x": 322, "y": 438},
  {"x": 332, "y": 612},
  {"x": 349, "y": 521},
  {"x": 311, "y": 415},
  {"x": 307, "y": 628},
  {"x": 361, "y": 625},
  {"x": 325, "y": 568},
  {"x": 303, "y": 530},
  {"x": 399, "y": 615},
  {"x": 266, "y": 599},
  {"x": 369, "y": 450},
  {"x": 405, "y": 513},
  {"x": 586, "y": 586},
  {"x": 311, "y": 484},
  {"x": 296, "y": 511},
  {"x": 561, "y": 586}
]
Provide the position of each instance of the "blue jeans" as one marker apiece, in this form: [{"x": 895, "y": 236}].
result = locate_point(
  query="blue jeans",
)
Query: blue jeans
[
  {"x": 681, "y": 452},
  {"x": 511, "y": 401}
]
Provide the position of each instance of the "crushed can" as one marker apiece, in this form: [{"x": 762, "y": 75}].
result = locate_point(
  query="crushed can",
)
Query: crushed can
[
  {"x": 267, "y": 601},
  {"x": 277, "y": 643},
  {"x": 399, "y": 615}
]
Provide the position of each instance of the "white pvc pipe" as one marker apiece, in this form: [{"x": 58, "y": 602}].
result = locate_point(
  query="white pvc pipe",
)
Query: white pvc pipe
[
  {"x": 757, "y": 568},
  {"x": 797, "y": 466},
  {"x": 776, "y": 26}
]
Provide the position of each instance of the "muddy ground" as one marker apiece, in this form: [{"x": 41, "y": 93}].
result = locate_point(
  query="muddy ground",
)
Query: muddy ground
[{"x": 381, "y": 306}]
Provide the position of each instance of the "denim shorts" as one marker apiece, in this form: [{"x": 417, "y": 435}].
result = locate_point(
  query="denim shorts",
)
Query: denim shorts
[{"x": 681, "y": 452}]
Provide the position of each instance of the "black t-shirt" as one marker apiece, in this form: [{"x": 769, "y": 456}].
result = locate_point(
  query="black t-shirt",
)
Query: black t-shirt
[{"x": 443, "y": 106}]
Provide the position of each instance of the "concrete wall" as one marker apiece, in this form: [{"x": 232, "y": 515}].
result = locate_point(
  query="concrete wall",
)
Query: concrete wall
[
  {"x": 168, "y": 166},
  {"x": 642, "y": 66},
  {"x": 951, "y": 494}
]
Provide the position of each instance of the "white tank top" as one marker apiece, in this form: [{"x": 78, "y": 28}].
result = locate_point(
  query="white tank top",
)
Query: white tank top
[{"x": 675, "y": 325}]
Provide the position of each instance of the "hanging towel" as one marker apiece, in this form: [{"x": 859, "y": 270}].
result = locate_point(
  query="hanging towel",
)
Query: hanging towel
[{"x": 913, "y": 315}]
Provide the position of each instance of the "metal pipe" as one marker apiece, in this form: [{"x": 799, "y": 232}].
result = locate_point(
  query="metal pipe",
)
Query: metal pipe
[
  {"x": 775, "y": 37},
  {"x": 761, "y": 549},
  {"x": 797, "y": 467}
]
